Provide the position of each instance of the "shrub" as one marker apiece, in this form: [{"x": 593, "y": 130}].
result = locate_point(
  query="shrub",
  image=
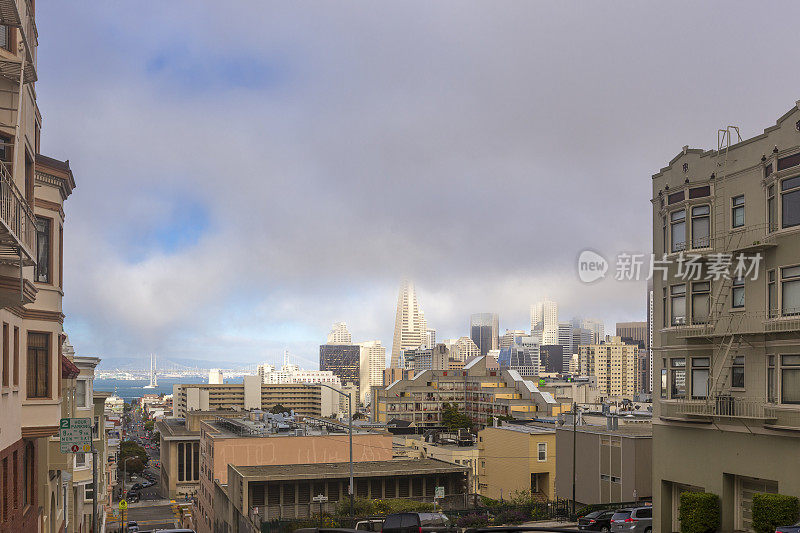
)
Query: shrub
[
  {"x": 699, "y": 512},
  {"x": 473, "y": 520},
  {"x": 361, "y": 507},
  {"x": 773, "y": 510},
  {"x": 511, "y": 516},
  {"x": 489, "y": 502}
]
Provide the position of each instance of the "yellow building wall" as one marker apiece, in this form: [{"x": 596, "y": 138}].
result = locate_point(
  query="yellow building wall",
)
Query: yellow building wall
[{"x": 507, "y": 459}]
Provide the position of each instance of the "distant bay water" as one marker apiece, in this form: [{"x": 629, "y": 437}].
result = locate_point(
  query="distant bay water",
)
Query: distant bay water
[{"x": 133, "y": 389}]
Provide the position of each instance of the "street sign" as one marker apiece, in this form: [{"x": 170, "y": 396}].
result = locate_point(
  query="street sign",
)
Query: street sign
[
  {"x": 123, "y": 505},
  {"x": 75, "y": 435},
  {"x": 439, "y": 493},
  {"x": 320, "y": 499}
]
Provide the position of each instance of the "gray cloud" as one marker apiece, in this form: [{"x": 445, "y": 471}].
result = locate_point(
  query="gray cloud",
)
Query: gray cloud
[{"x": 474, "y": 147}]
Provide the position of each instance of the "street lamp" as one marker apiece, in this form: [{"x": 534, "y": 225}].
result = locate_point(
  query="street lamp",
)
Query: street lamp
[{"x": 350, "y": 432}]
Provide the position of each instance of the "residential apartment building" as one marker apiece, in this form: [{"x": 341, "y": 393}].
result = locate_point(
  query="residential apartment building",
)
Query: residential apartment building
[
  {"x": 517, "y": 458},
  {"x": 615, "y": 366},
  {"x": 484, "y": 330},
  {"x": 260, "y": 439},
  {"x": 727, "y": 387},
  {"x": 32, "y": 192},
  {"x": 303, "y": 399},
  {"x": 410, "y": 326},
  {"x": 415, "y": 447},
  {"x": 478, "y": 391},
  {"x": 611, "y": 464}
]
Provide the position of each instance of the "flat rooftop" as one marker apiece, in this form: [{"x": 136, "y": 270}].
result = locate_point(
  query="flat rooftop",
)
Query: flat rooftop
[
  {"x": 175, "y": 427},
  {"x": 398, "y": 467},
  {"x": 229, "y": 427},
  {"x": 632, "y": 430},
  {"x": 525, "y": 428}
]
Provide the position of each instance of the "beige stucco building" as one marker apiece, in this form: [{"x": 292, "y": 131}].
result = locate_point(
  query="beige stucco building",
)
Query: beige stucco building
[
  {"x": 726, "y": 363},
  {"x": 415, "y": 447},
  {"x": 614, "y": 364},
  {"x": 516, "y": 458}
]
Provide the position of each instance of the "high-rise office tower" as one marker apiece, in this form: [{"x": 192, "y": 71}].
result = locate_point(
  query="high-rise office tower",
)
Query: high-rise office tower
[
  {"x": 509, "y": 337},
  {"x": 410, "y": 327},
  {"x": 462, "y": 349},
  {"x": 344, "y": 360},
  {"x": 635, "y": 332},
  {"x": 551, "y": 359},
  {"x": 580, "y": 337},
  {"x": 430, "y": 338},
  {"x": 597, "y": 328},
  {"x": 484, "y": 330},
  {"x": 565, "y": 337},
  {"x": 544, "y": 318},
  {"x": 339, "y": 334},
  {"x": 373, "y": 361},
  {"x": 524, "y": 358}
]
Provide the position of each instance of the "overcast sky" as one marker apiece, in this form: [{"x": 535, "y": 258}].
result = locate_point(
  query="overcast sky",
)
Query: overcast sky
[{"x": 251, "y": 172}]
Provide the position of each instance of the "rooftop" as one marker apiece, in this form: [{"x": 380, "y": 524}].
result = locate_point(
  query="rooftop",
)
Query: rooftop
[
  {"x": 175, "y": 427},
  {"x": 525, "y": 428},
  {"x": 397, "y": 467},
  {"x": 243, "y": 427},
  {"x": 633, "y": 430}
]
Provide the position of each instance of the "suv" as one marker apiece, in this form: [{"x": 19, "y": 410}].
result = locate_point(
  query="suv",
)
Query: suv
[
  {"x": 636, "y": 520},
  {"x": 417, "y": 523}
]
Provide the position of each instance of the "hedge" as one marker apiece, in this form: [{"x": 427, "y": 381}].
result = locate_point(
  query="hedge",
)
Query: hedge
[
  {"x": 364, "y": 507},
  {"x": 774, "y": 510},
  {"x": 699, "y": 512}
]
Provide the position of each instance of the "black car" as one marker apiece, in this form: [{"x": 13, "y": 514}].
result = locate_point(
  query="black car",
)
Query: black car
[
  {"x": 417, "y": 523},
  {"x": 596, "y": 521}
]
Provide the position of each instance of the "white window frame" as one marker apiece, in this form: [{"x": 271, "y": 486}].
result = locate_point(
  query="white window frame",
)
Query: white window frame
[
  {"x": 539, "y": 451},
  {"x": 737, "y": 207}
]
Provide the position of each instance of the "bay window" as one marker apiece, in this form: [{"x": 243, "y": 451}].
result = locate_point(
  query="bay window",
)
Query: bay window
[
  {"x": 790, "y": 290},
  {"x": 790, "y": 379},
  {"x": 678, "y": 381},
  {"x": 678, "y": 304},
  {"x": 38, "y": 379},
  {"x": 772, "y": 389},
  {"x": 772, "y": 212}
]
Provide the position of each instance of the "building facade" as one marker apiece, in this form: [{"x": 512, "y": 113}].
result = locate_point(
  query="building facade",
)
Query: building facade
[
  {"x": 343, "y": 360},
  {"x": 373, "y": 362},
  {"x": 727, "y": 373},
  {"x": 410, "y": 326},
  {"x": 614, "y": 364},
  {"x": 633, "y": 332}
]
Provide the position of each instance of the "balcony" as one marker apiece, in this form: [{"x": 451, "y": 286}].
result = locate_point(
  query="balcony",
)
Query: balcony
[
  {"x": 719, "y": 407},
  {"x": 19, "y": 14}
]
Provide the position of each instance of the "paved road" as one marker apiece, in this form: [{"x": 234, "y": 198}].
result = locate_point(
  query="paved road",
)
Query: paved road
[{"x": 148, "y": 517}]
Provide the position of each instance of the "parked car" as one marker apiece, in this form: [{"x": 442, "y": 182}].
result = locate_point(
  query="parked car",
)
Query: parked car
[
  {"x": 636, "y": 520},
  {"x": 596, "y": 521},
  {"x": 417, "y": 523},
  {"x": 369, "y": 525},
  {"x": 789, "y": 529},
  {"x": 133, "y": 526}
]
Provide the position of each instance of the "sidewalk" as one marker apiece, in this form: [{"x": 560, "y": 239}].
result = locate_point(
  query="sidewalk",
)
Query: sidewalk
[
  {"x": 149, "y": 503},
  {"x": 552, "y": 523}
]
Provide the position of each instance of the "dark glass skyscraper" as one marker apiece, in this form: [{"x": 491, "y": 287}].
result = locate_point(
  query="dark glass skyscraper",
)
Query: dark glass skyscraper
[
  {"x": 344, "y": 360},
  {"x": 484, "y": 330}
]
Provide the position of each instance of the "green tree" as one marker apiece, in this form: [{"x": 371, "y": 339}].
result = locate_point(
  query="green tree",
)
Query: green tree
[
  {"x": 149, "y": 425},
  {"x": 278, "y": 409},
  {"x": 454, "y": 419},
  {"x": 137, "y": 455}
]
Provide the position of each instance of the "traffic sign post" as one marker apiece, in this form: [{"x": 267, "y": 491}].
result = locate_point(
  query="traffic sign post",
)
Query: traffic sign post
[{"x": 320, "y": 498}]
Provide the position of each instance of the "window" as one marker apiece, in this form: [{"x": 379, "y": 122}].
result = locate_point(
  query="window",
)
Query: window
[
  {"x": 790, "y": 202},
  {"x": 737, "y": 211},
  {"x": 772, "y": 215},
  {"x": 6, "y": 358},
  {"x": 772, "y": 389},
  {"x": 678, "y": 230},
  {"x": 772, "y": 295},
  {"x": 43, "y": 226},
  {"x": 80, "y": 393},
  {"x": 664, "y": 313},
  {"x": 700, "y": 192},
  {"x": 5, "y": 37},
  {"x": 701, "y": 226},
  {"x": 16, "y": 356},
  {"x": 678, "y": 304},
  {"x": 88, "y": 494},
  {"x": 664, "y": 234},
  {"x": 790, "y": 379},
  {"x": 790, "y": 290},
  {"x": 737, "y": 373},
  {"x": 80, "y": 459},
  {"x": 38, "y": 365},
  {"x": 542, "y": 451},
  {"x": 737, "y": 293},
  {"x": 676, "y": 197},
  {"x": 678, "y": 383},
  {"x": 701, "y": 300},
  {"x": 700, "y": 368},
  {"x": 663, "y": 383},
  {"x": 29, "y": 471}
]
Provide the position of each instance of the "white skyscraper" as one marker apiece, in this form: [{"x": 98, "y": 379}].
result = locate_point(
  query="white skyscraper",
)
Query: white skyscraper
[
  {"x": 410, "y": 327},
  {"x": 373, "y": 361},
  {"x": 339, "y": 334},
  {"x": 544, "y": 317},
  {"x": 597, "y": 328},
  {"x": 215, "y": 377}
]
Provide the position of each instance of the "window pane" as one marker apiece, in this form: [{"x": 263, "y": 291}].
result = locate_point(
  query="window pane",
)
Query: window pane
[
  {"x": 737, "y": 377},
  {"x": 790, "y": 183},
  {"x": 678, "y": 236},
  {"x": 663, "y": 382},
  {"x": 772, "y": 296},
  {"x": 790, "y": 272},
  {"x": 42, "y": 250},
  {"x": 790, "y": 360},
  {"x": 771, "y": 388},
  {"x": 678, "y": 383},
  {"x": 700, "y": 210},
  {"x": 790, "y": 202},
  {"x": 80, "y": 393},
  {"x": 700, "y": 232},
  {"x": 790, "y": 385},
  {"x": 738, "y": 200},
  {"x": 700, "y": 383},
  {"x": 773, "y": 216},
  {"x": 677, "y": 215},
  {"x": 678, "y": 310},
  {"x": 700, "y": 308},
  {"x": 738, "y": 216},
  {"x": 738, "y": 297},
  {"x": 791, "y": 298},
  {"x": 701, "y": 362}
]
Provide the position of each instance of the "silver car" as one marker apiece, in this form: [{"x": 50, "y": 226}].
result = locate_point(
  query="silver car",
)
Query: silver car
[{"x": 635, "y": 520}]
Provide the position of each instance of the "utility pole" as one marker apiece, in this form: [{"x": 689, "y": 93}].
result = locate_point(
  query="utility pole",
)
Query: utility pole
[
  {"x": 574, "y": 451},
  {"x": 94, "y": 490},
  {"x": 350, "y": 431}
]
